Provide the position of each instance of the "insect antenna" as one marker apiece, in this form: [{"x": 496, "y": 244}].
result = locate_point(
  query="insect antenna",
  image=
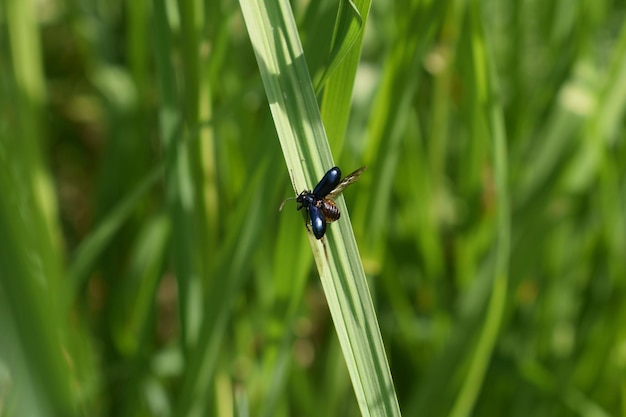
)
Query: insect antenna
[
  {"x": 293, "y": 182},
  {"x": 283, "y": 203}
]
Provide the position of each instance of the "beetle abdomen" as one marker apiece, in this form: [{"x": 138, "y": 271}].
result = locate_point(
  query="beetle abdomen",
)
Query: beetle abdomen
[{"x": 329, "y": 209}]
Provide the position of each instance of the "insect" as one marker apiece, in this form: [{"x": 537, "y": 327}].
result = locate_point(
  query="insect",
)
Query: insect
[{"x": 320, "y": 203}]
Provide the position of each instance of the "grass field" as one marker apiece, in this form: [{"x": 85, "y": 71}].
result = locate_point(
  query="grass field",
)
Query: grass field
[{"x": 145, "y": 147}]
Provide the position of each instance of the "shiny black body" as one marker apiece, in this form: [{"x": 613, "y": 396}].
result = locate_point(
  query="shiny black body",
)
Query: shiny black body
[{"x": 319, "y": 204}]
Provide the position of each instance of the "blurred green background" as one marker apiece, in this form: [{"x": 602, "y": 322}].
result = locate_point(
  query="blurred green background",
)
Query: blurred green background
[{"x": 146, "y": 271}]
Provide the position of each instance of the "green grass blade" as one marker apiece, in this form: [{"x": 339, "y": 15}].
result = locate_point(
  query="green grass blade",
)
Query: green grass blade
[
  {"x": 93, "y": 246},
  {"x": 42, "y": 371},
  {"x": 348, "y": 30},
  {"x": 335, "y": 107},
  {"x": 491, "y": 117},
  {"x": 181, "y": 193},
  {"x": 289, "y": 89}
]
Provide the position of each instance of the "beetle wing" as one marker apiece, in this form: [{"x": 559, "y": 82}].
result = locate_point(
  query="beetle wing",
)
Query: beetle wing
[
  {"x": 329, "y": 181},
  {"x": 349, "y": 179},
  {"x": 318, "y": 222}
]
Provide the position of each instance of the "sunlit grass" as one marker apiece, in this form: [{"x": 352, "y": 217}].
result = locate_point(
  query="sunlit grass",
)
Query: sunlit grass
[{"x": 145, "y": 268}]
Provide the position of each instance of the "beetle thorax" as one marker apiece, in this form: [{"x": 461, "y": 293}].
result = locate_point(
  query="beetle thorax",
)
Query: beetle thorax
[{"x": 305, "y": 199}]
